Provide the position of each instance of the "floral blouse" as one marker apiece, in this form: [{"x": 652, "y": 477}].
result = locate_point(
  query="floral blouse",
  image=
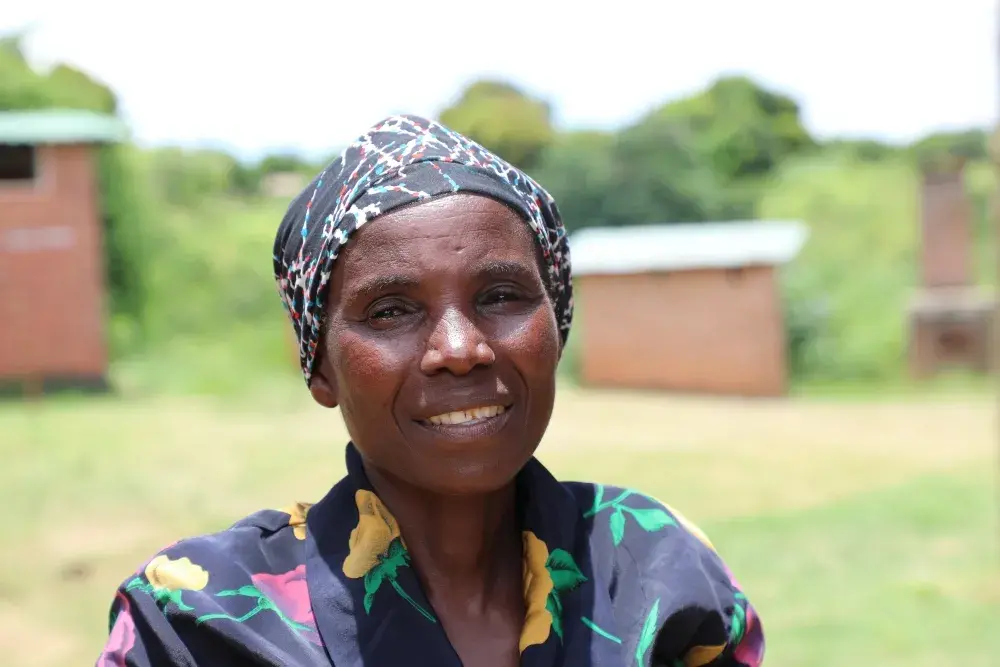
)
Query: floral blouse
[{"x": 611, "y": 578}]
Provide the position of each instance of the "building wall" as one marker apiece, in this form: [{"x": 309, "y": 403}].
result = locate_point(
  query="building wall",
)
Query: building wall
[
  {"x": 952, "y": 340},
  {"x": 946, "y": 230},
  {"x": 51, "y": 270},
  {"x": 699, "y": 331}
]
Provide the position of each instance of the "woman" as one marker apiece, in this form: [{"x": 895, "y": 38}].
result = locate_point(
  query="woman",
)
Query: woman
[{"x": 436, "y": 331}]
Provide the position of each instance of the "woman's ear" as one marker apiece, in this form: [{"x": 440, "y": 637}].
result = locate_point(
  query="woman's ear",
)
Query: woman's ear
[{"x": 323, "y": 387}]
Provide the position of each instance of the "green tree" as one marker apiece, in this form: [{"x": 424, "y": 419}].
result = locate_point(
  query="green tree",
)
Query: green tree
[
  {"x": 861, "y": 150},
  {"x": 20, "y": 86},
  {"x": 186, "y": 177},
  {"x": 647, "y": 173},
  {"x": 943, "y": 147},
  {"x": 743, "y": 128},
  {"x": 661, "y": 176},
  {"x": 73, "y": 88},
  {"x": 578, "y": 169},
  {"x": 504, "y": 119},
  {"x": 285, "y": 162}
]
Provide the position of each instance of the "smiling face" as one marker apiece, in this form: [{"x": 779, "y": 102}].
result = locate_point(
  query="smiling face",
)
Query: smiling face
[{"x": 441, "y": 345}]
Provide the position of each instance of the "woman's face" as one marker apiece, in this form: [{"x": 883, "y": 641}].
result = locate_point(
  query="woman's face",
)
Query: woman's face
[{"x": 441, "y": 345}]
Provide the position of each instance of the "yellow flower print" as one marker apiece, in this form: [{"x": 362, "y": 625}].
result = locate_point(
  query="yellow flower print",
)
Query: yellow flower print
[
  {"x": 537, "y": 586},
  {"x": 175, "y": 575},
  {"x": 370, "y": 541},
  {"x": 702, "y": 655},
  {"x": 297, "y": 518},
  {"x": 377, "y": 552},
  {"x": 546, "y": 576}
]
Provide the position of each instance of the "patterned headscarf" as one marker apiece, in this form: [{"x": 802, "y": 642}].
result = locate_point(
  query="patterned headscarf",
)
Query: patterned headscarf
[{"x": 401, "y": 160}]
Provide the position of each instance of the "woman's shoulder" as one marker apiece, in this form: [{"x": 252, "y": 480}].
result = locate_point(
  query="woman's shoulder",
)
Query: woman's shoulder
[
  {"x": 632, "y": 531},
  {"x": 648, "y": 552},
  {"x": 269, "y": 534},
  {"x": 629, "y": 516},
  {"x": 249, "y": 575}
]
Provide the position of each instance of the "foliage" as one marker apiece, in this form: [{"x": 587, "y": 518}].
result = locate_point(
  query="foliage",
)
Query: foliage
[
  {"x": 647, "y": 173},
  {"x": 127, "y": 214},
  {"x": 968, "y": 144},
  {"x": 847, "y": 293},
  {"x": 214, "y": 319},
  {"x": 743, "y": 128},
  {"x": 285, "y": 162},
  {"x": 861, "y": 150},
  {"x": 186, "y": 178},
  {"x": 578, "y": 170},
  {"x": 660, "y": 176},
  {"x": 504, "y": 119},
  {"x": 701, "y": 158}
]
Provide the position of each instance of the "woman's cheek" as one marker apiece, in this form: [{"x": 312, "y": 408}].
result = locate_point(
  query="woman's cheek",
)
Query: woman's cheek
[{"x": 534, "y": 341}]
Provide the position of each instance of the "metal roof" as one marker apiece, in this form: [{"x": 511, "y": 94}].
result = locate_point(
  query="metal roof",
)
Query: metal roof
[
  {"x": 59, "y": 126},
  {"x": 673, "y": 247}
]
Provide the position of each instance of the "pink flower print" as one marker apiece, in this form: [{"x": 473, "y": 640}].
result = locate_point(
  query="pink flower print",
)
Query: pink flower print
[
  {"x": 750, "y": 651},
  {"x": 121, "y": 639},
  {"x": 290, "y": 594}
]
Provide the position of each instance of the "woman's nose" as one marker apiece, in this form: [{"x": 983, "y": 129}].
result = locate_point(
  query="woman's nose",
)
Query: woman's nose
[{"x": 456, "y": 345}]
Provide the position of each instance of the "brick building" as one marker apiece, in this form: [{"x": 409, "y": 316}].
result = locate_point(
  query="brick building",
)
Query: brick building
[
  {"x": 52, "y": 301},
  {"x": 951, "y": 318},
  {"x": 688, "y": 308}
]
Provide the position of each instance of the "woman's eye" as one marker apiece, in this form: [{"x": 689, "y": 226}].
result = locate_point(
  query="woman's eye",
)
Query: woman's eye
[
  {"x": 502, "y": 295},
  {"x": 386, "y": 312}
]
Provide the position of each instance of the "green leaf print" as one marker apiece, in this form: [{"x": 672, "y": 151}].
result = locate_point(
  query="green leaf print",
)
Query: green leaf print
[
  {"x": 599, "y": 630},
  {"x": 248, "y": 591},
  {"x": 650, "y": 519},
  {"x": 648, "y": 634},
  {"x": 598, "y": 498},
  {"x": 162, "y": 596},
  {"x": 387, "y": 569},
  {"x": 739, "y": 620},
  {"x": 136, "y": 582},
  {"x": 618, "y": 526},
  {"x": 165, "y": 597},
  {"x": 263, "y": 603},
  {"x": 554, "y": 607},
  {"x": 373, "y": 581},
  {"x": 566, "y": 576}
]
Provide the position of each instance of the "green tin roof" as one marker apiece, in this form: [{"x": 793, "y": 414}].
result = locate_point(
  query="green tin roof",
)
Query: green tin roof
[{"x": 59, "y": 126}]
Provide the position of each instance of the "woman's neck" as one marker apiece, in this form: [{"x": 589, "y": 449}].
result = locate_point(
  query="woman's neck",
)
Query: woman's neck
[{"x": 465, "y": 547}]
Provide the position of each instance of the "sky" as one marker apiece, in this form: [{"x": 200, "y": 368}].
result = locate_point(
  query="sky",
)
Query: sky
[{"x": 311, "y": 75}]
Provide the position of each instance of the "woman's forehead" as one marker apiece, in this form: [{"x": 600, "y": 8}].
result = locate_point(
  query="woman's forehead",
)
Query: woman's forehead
[{"x": 459, "y": 229}]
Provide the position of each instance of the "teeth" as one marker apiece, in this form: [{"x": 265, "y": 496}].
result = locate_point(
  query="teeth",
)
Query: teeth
[{"x": 466, "y": 416}]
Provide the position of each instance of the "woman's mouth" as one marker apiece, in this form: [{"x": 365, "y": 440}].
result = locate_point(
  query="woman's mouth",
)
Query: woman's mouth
[{"x": 467, "y": 417}]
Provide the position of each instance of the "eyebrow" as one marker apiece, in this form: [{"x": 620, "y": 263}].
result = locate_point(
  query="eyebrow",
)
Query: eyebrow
[
  {"x": 399, "y": 282},
  {"x": 384, "y": 283},
  {"x": 504, "y": 268}
]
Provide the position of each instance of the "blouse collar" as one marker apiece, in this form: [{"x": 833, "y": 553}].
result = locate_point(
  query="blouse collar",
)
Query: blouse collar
[{"x": 370, "y": 608}]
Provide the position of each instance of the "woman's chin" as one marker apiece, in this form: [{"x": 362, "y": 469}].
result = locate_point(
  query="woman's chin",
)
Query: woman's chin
[{"x": 462, "y": 462}]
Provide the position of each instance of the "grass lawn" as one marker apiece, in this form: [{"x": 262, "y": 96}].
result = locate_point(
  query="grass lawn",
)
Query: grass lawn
[{"x": 865, "y": 532}]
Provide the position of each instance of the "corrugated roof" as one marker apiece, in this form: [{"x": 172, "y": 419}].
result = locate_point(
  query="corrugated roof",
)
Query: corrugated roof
[
  {"x": 56, "y": 126},
  {"x": 617, "y": 250}
]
